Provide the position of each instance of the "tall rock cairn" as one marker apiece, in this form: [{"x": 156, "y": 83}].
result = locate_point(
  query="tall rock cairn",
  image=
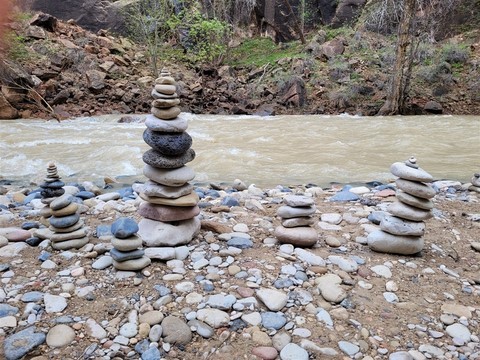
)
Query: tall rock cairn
[
  {"x": 296, "y": 215},
  {"x": 475, "y": 183},
  {"x": 402, "y": 231},
  {"x": 52, "y": 187},
  {"x": 170, "y": 205}
]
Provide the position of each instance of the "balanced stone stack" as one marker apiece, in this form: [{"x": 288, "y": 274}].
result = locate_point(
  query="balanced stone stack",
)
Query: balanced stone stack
[
  {"x": 52, "y": 186},
  {"x": 402, "y": 231},
  {"x": 127, "y": 253},
  {"x": 170, "y": 209},
  {"x": 475, "y": 183},
  {"x": 65, "y": 223},
  {"x": 296, "y": 216}
]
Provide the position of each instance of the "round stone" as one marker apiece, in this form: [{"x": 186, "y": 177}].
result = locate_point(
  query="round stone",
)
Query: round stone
[
  {"x": 132, "y": 265},
  {"x": 77, "y": 234},
  {"x": 297, "y": 236},
  {"x": 414, "y": 201},
  {"x": 166, "y": 114},
  {"x": 176, "y": 331},
  {"x": 165, "y": 103},
  {"x": 416, "y": 188},
  {"x": 404, "y": 171},
  {"x": 64, "y": 221},
  {"x": 169, "y": 177},
  {"x": 384, "y": 242},
  {"x": 169, "y": 144},
  {"x": 70, "y": 244},
  {"x": 180, "y": 124},
  {"x": 132, "y": 243},
  {"x": 124, "y": 227},
  {"x": 156, "y": 95},
  {"x": 167, "y": 213},
  {"x": 74, "y": 227},
  {"x": 293, "y": 352},
  {"x": 397, "y": 226},
  {"x": 60, "y": 335},
  {"x": 61, "y": 202},
  {"x": 151, "y": 188},
  {"x": 158, "y": 160},
  {"x": 408, "y": 212},
  {"x": 169, "y": 80}
]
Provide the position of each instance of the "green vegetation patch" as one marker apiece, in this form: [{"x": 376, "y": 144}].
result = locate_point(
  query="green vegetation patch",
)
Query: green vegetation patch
[{"x": 262, "y": 51}]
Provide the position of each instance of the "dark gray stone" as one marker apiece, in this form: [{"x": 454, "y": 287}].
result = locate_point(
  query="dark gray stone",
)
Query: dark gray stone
[
  {"x": 21, "y": 343},
  {"x": 53, "y": 185},
  {"x": 30, "y": 225},
  {"x": 126, "y": 255},
  {"x": 241, "y": 243},
  {"x": 84, "y": 195},
  {"x": 64, "y": 221},
  {"x": 124, "y": 227},
  {"x": 50, "y": 193},
  {"x": 345, "y": 195},
  {"x": 170, "y": 144},
  {"x": 61, "y": 202},
  {"x": 158, "y": 160}
]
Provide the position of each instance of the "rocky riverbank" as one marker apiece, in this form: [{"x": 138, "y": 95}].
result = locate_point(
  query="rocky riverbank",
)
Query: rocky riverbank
[{"x": 234, "y": 292}]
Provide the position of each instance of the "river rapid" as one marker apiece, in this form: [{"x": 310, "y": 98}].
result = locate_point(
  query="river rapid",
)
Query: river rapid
[{"x": 266, "y": 151}]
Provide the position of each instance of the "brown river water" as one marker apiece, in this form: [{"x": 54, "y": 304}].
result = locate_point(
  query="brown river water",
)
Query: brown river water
[{"x": 266, "y": 151}]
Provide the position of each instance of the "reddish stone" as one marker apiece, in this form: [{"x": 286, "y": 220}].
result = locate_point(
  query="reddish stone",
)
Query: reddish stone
[
  {"x": 385, "y": 193},
  {"x": 265, "y": 352}
]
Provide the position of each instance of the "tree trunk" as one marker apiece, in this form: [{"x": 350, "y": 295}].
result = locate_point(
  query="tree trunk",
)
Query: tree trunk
[{"x": 395, "y": 102}]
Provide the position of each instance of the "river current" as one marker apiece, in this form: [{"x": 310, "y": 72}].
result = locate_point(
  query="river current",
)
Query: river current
[{"x": 266, "y": 151}]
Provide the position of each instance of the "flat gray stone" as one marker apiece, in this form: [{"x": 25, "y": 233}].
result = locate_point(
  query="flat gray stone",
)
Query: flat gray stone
[
  {"x": 54, "y": 303},
  {"x": 61, "y": 202},
  {"x": 408, "y": 212},
  {"x": 151, "y": 188},
  {"x": 166, "y": 213},
  {"x": 403, "y": 171},
  {"x": 132, "y": 243},
  {"x": 287, "y": 212},
  {"x": 102, "y": 262},
  {"x": 274, "y": 300},
  {"x": 179, "y": 124},
  {"x": 416, "y": 188},
  {"x": 213, "y": 317},
  {"x": 348, "y": 348},
  {"x": 459, "y": 331},
  {"x": 60, "y": 335},
  {"x": 293, "y": 352},
  {"x": 70, "y": 244},
  {"x": 132, "y": 265},
  {"x": 298, "y": 221},
  {"x": 384, "y": 242},
  {"x": 170, "y": 177},
  {"x": 298, "y": 200},
  {"x": 21, "y": 343},
  {"x": 397, "y": 226},
  {"x": 414, "y": 201}
]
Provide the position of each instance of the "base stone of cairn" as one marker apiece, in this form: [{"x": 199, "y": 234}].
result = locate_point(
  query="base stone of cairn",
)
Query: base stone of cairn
[
  {"x": 169, "y": 208},
  {"x": 127, "y": 252},
  {"x": 297, "y": 220},
  {"x": 475, "y": 183},
  {"x": 403, "y": 229}
]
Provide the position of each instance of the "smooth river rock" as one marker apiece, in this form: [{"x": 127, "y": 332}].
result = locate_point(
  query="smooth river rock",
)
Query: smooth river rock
[
  {"x": 169, "y": 144},
  {"x": 416, "y": 188},
  {"x": 298, "y": 200},
  {"x": 21, "y": 343},
  {"x": 274, "y": 300},
  {"x": 414, "y": 201},
  {"x": 132, "y": 265},
  {"x": 155, "y": 233},
  {"x": 132, "y": 243},
  {"x": 167, "y": 213},
  {"x": 384, "y": 242},
  {"x": 60, "y": 335},
  {"x": 124, "y": 227},
  {"x": 398, "y": 226},
  {"x": 166, "y": 114},
  {"x": 298, "y": 236},
  {"x": 404, "y": 171},
  {"x": 70, "y": 244},
  {"x": 408, "y": 212},
  {"x": 179, "y": 124},
  {"x": 65, "y": 221},
  {"x": 169, "y": 177},
  {"x": 176, "y": 331},
  {"x": 330, "y": 289},
  {"x": 287, "y": 212},
  {"x": 158, "y": 160},
  {"x": 186, "y": 200},
  {"x": 151, "y": 188}
]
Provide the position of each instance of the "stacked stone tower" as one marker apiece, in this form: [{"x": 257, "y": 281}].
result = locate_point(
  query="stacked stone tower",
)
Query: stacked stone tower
[
  {"x": 170, "y": 205},
  {"x": 297, "y": 220},
  {"x": 402, "y": 231},
  {"x": 475, "y": 183}
]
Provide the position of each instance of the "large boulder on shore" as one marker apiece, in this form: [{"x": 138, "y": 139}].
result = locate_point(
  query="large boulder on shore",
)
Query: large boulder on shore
[{"x": 7, "y": 111}]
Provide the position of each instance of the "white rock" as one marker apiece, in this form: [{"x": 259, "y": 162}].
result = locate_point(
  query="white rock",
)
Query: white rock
[
  {"x": 274, "y": 300},
  {"x": 309, "y": 257},
  {"x": 382, "y": 270},
  {"x": 459, "y": 331},
  {"x": 213, "y": 317},
  {"x": 93, "y": 329},
  {"x": 293, "y": 352},
  {"x": 54, "y": 303},
  {"x": 60, "y": 335}
]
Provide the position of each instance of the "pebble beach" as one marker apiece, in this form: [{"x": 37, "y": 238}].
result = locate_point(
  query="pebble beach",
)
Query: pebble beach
[{"x": 235, "y": 291}]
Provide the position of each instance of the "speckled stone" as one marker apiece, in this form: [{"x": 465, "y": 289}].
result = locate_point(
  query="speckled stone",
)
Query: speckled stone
[
  {"x": 158, "y": 160},
  {"x": 169, "y": 144}
]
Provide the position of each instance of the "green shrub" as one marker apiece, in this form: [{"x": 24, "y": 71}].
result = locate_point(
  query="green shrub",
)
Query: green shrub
[{"x": 455, "y": 53}]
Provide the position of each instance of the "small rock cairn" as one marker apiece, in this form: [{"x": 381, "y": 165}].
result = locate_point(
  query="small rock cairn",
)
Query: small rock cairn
[
  {"x": 61, "y": 213},
  {"x": 402, "y": 231},
  {"x": 127, "y": 253},
  {"x": 170, "y": 205},
  {"x": 297, "y": 220},
  {"x": 475, "y": 183}
]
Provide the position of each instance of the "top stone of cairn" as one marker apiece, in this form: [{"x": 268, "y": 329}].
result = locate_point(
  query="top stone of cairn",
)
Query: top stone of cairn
[{"x": 409, "y": 170}]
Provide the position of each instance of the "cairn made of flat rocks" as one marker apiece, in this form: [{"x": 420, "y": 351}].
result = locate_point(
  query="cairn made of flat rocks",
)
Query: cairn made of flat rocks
[
  {"x": 296, "y": 216},
  {"x": 127, "y": 252},
  {"x": 403, "y": 228},
  {"x": 170, "y": 207},
  {"x": 52, "y": 187},
  {"x": 475, "y": 183},
  {"x": 67, "y": 227}
]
